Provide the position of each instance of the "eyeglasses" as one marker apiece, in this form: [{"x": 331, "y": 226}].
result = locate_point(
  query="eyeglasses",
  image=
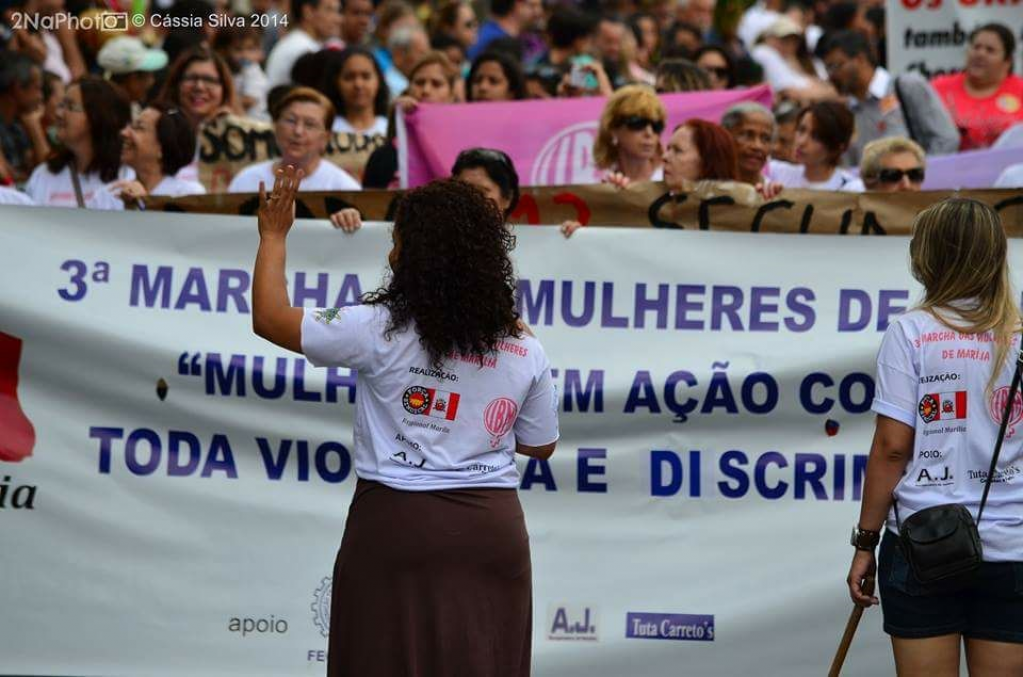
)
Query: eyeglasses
[
  {"x": 70, "y": 106},
  {"x": 717, "y": 71},
  {"x": 295, "y": 123},
  {"x": 916, "y": 175},
  {"x": 207, "y": 80},
  {"x": 638, "y": 123}
]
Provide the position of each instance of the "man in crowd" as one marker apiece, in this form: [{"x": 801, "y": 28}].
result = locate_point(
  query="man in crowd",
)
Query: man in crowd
[
  {"x": 699, "y": 13},
  {"x": 130, "y": 64},
  {"x": 509, "y": 19},
  {"x": 883, "y": 105},
  {"x": 752, "y": 128},
  {"x": 571, "y": 34},
  {"x": 314, "y": 22},
  {"x": 407, "y": 46},
  {"x": 356, "y": 16},
  {"x": 23, "y": 143}
]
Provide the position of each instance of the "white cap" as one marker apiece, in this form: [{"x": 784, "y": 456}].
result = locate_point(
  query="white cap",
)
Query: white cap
[
  {"x": 125, "y": 54},
  {"x": 783, "y": 27}
]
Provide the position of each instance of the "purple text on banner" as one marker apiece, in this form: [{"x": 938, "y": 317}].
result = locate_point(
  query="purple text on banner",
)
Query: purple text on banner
[
  {"x": 682, "y": 627},
  {"x": 550, "y": 141}
]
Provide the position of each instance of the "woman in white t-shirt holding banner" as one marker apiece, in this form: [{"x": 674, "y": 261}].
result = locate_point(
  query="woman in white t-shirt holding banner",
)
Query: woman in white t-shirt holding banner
[
  {"x": 433, "y": 576},
  {"x": 89, "y": 121},
  {"x": 156, "y": 144},
  {"x": 302, "y": 129},
  {"x": 943, "y": 377}
]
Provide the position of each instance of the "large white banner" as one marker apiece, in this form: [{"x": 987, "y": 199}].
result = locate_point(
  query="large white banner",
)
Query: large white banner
[
  {"x": 931, "y": 36},
  {"x": 174, "y": 488}
]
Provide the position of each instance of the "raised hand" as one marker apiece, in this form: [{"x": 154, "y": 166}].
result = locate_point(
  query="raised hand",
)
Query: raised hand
[{"x": 277, "y": 210}]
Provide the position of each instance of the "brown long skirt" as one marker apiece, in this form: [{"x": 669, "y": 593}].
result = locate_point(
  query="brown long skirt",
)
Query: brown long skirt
[{"x": 432, "y": 584}]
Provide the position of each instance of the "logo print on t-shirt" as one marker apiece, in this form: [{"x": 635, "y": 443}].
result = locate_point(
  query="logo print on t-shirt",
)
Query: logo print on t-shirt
[
  {"x": 1008, "y": 103},
  {"x": 430, "y": 402},
  {"x": 996, "y": 407},
  {"x": 499, "y": 417},
  {"x": 942, "y": 406}
]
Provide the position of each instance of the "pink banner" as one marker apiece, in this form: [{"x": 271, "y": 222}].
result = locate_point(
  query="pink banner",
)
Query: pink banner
[{"x": 550, "y": 141}]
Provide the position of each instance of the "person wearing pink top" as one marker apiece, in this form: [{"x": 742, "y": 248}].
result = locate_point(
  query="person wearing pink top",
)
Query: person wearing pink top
[{"x": 987, "y": 97}]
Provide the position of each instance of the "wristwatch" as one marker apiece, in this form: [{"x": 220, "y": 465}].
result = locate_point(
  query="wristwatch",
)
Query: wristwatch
[{"x": 862, "y": 539}]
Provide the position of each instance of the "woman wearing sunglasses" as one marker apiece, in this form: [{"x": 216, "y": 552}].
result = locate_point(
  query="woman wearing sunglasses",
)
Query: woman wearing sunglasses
[
  {"x": 890, "y": 165},
  {"x": 628, "y": 145},
  {"x": 718, "y": 64}
]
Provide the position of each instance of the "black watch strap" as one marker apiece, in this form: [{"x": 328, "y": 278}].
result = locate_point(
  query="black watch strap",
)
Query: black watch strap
[{"x": 864, "y": 539}]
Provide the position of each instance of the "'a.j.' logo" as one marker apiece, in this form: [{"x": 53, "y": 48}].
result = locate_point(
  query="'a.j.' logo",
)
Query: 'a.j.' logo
[
  {"x": 423, "y": 401},
  {"x": 942, "y": 406},
  {"x": 17, "y": 436}
]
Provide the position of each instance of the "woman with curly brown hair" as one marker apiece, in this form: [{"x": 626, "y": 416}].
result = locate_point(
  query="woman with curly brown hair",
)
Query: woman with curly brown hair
[{"x": 433, "y": 576}]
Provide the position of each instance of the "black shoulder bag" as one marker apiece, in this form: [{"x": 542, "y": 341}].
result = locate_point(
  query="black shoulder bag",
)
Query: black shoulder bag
[{"x": 942, "y": 543}]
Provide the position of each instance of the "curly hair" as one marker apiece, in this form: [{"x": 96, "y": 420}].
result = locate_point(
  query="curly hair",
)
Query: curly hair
[{"x": 452, "y": 277}]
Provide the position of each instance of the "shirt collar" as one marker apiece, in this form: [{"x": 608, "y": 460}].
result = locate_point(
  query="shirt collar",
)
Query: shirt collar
[{"x": 878, "y": 87}]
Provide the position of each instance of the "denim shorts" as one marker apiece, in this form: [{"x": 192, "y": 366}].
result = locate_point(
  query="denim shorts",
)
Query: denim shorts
[{"x": 989, "y": 607}]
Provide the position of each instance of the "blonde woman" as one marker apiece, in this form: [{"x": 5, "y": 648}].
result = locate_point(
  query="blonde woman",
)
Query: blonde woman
[
  {"x": 942, "y": 383},
  {"x": 628, "y": 145}
]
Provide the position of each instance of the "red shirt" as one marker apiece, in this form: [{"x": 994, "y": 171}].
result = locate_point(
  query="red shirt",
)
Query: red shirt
[{"x": 981, "y": 121}]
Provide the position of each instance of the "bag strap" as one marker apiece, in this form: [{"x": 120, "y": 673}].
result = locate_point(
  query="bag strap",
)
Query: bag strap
[
  {"x": 1009, "y": 402},
  {"x": 904, "y": 110},
  {"x": 77, "y": 184}
]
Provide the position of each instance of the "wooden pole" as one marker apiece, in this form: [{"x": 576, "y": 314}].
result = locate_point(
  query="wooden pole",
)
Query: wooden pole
[{"x": 850, "y": 630}]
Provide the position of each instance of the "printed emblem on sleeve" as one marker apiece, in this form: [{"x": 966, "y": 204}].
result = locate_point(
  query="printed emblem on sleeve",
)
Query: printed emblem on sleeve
[
  {"x": 996, "y": 408},
  {"x": 942, "y": 406},
  {"x": 327, "y": 315},
  {"x": 499, "y": 417}
]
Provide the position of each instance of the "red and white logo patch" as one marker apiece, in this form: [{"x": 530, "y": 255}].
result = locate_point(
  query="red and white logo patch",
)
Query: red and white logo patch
[
  {"x": 499, "y": 417},
  {"x": 943, "y": 406},
  {"x": 423, "y": 401},
  {"x": 996, "y": 407}
]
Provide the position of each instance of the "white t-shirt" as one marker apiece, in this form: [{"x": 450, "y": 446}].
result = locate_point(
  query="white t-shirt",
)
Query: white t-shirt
[
  {"x": 1011, "y": 177},
  {"x": 755, "y": 21},
  {"x": 934, "y": 380},
  {"x": 251, "y": 81},
  {"x": 285, "y": 53},
  {"x": 794, "y": 176},
  {"x": 379, "y": 127},
  {"x": 56, "y": 190},
  {"x": 169, "y": 186},
  {"x": 10, "y": 196},
  {"x": 778, "y": 72},
  {"x": 328, "y": 176},
  {"x": 420, "y": 429}
]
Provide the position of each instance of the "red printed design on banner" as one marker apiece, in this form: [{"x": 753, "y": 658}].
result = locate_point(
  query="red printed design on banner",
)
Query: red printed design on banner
[
  {"x": 996, "y": 407},
  {"x": 943, "y": 406},
  {"x": 423, "y": 401},
  {"x": 17, "y": 435},
  {"x": 499, "y": 417}
]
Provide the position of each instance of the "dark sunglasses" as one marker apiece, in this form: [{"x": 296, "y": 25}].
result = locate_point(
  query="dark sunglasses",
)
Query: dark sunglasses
[
  {"x": 637, "y": 123},
  {"x": 717, "y": 71},
  {"x": 916, "y": 175}
]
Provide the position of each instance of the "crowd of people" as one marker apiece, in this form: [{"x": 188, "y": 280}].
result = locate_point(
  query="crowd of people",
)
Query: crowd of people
[{"x": 98, "y": 119}]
